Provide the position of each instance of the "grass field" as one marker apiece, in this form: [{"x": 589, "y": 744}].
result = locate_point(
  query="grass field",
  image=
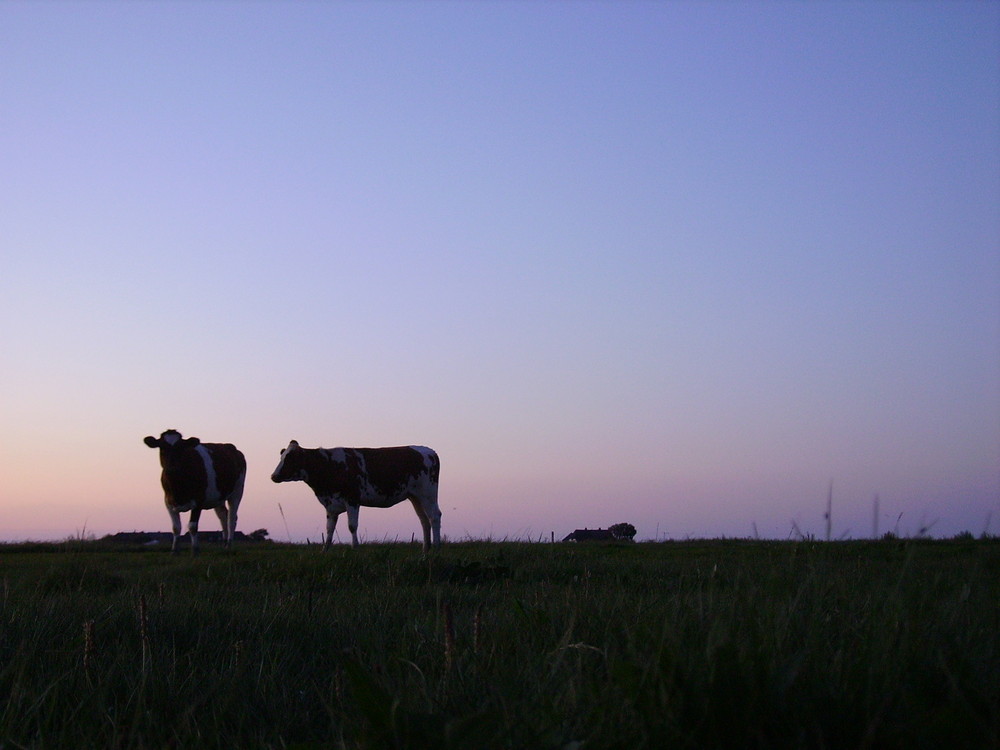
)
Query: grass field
[{"x": 701, "y": 644}]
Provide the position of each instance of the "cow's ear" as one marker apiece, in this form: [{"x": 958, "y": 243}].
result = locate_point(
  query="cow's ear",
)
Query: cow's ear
[
  {"x": 192, "y": 442},
  {"x": 151, "y": 441}
]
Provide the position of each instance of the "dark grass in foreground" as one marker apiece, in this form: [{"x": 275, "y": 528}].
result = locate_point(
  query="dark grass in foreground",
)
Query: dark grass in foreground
[{"x": 687, "y": 645}]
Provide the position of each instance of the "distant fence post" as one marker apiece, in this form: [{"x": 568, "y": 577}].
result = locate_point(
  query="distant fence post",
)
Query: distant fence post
[{"x": 829, "y": 512}]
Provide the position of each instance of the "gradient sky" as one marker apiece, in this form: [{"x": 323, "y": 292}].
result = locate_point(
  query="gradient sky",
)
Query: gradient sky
[{"x": 677, "y": 264}]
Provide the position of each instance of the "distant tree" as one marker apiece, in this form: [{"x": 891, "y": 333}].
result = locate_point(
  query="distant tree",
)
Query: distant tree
[
  {"x": 260, "y": 535},
  {"x": 623, "y": 531}
]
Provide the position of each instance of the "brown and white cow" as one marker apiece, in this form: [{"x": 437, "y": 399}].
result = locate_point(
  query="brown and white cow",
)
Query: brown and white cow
[
  {"x": 344, "y": 479},
  {"x": 199, "y": 476}
]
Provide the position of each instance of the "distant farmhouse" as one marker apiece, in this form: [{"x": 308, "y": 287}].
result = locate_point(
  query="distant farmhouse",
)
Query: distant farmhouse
[
  {"x": 620, "y": 532},
  {"x": 165, "y": 537},
  {"x": 590, "y": 535}
]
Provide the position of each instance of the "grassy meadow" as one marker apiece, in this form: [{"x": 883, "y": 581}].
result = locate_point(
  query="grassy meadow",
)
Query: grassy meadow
[{"x": 700, "y": 644}]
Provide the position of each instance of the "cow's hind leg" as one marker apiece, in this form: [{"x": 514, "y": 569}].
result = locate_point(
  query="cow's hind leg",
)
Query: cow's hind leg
[
  {"x": 429, "y": 504},
  {"x": 233, "y": 507},
  {"x": 234, "y": 503},
  {"x": 435, "y": 515},
  {"x": 225, "y": 518},
  {"x": 425, "y": 521}
]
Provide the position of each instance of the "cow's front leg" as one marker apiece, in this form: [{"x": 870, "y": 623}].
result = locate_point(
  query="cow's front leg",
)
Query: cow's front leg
[
  {"x": 175, "y": 526},
  {"x": 352, "y": 523},
  {"x": 331, "y": 526},
  {"x": 193, "y": 529}
]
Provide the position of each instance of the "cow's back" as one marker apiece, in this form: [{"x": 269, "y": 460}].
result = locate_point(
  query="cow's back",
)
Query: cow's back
[{"x": 391, "y": 473}]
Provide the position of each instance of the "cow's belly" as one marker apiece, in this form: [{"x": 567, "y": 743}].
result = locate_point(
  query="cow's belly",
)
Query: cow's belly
[
  {"x": 338, "y": 504},
  {"x": 183, "y": 506},
  {"x": 333, "y": 504},
  {"x": 372, "y": 499}
]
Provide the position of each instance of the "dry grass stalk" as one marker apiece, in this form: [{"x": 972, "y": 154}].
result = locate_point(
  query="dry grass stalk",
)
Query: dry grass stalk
[
  {"x": 338, "y": 685},
  {"x": 449, "y": 637},
  {"x": 144, "y": 632},
  {"x": 89, "y": 648},
  {"x": 477, "y": 629},
  {"x": 143, "y": 621}
]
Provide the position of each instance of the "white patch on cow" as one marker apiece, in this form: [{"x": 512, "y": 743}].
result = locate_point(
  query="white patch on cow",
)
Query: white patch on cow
[
  {"x": 428, "y": 455},
  {"x": 300, "y": 476},
  {"x": 212, "y": 494},
  {"x": 334, "y": 454},
  {"x": 281, "y": 463},
  {"x": 333, "y": 503},
  {"x": 171, "y": 437},
  {"x": 367, "y": 490}
]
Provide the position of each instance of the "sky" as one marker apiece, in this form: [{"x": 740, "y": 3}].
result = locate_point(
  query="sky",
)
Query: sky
[{"x": 677, "y": 264}]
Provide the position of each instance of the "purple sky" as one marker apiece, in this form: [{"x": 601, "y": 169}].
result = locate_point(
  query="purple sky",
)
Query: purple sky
[{"x": 677, "y": 264}]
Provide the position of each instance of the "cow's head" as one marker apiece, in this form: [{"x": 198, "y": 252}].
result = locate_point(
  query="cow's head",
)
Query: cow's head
[
  {"x": 291, "y": 467},
  {"x": 170, "y": 443}
]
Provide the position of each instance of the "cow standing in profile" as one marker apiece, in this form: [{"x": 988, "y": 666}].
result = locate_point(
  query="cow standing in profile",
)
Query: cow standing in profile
[
  {"x": 199, "y": 476},
  {"x": 344, "y": 479}
]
